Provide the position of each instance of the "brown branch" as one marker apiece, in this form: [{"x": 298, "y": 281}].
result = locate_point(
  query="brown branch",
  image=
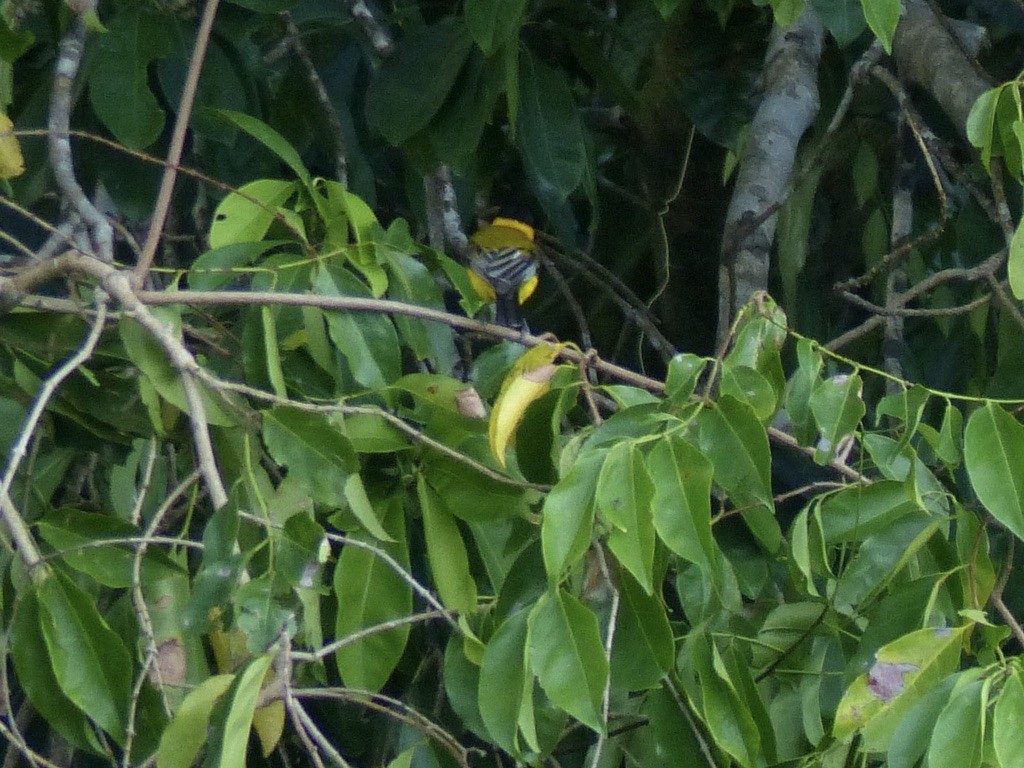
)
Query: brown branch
[{"x": 174, "y": 151}]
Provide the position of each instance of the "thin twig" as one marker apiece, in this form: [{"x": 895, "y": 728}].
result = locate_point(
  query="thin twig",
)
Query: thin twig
[
  {"x": 331, "y": 648},
  {"x": 684, "y": 709},
  {"x": 177, "y": 146},
  {"x": 401, "y": 572},
  {"x": 997, "y": 594},
  {"x": 606, "y": 697}
]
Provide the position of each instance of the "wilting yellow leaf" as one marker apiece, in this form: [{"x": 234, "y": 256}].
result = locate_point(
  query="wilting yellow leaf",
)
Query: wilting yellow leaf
[
  {"x": 11, "y": 162},
  {"x": 268, "y": 722},
  {"x": 529, "y": 380}
]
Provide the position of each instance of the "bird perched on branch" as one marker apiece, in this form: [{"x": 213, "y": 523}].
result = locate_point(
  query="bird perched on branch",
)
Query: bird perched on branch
[{"x": 503, "y": 267}]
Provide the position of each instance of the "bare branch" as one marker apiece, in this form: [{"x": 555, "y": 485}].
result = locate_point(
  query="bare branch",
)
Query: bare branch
[
  {"x": 174, "y": 151},
  {"x": 789, "y": 105}
]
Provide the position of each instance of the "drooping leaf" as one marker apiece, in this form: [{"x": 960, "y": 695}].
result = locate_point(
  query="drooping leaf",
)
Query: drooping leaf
[
  {"x": 567, "y": 655},
  {"x": 527, "y": 382},
  {"x": 492, "y": 23},
  {"x": 643, "y": 650},
  {"x": 446, "y": 552},
  {"x": 624, "y": 494},
  {"x": 230, "y": 734},
  {"x": 1007, "y": 736},
  {"x": 505, "y": 681},
  {"x": 118, "y": 77},
  {"x": 89, "y": 660},
  {"x": 186, "y": 734},
  {"x": 568, "y": 516},
  {"x": 35, "y": 674},
  {"x": 549, "y": 128},
  {"x": 882, "y": 17},
  {"x": 682, "y": 501},
  {"x": 369, "y": 593},
  {"x": 959, "y": 730},
  {"x": 993, "y": 446}
]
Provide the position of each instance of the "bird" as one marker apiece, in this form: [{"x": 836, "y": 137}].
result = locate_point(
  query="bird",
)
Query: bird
[{"x": 503, "y": 267}]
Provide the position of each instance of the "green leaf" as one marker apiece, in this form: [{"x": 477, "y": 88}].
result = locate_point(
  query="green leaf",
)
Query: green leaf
[
  {"x": 186, "y": 734},
  {"x": 368, "y": 341},
  {"x": 728, "y": 717},
  {"x": 567, "y": 656},
  {"x": 567, "y": 520},
  {"x": 260, "y": 616},
  {"x": 838, "y": 408},
  {"x": 269, "y": 138},
  {"x": 75, "y": 534},
  {"x": 643, "y": 651},
  {"x": 446, "y": 552},
  {"x": 492, "y": 23},
  {"x": 119, "y": 78},
  {"x": 844, "y": 19},
  {"x": 456, "y": 130},
  {"x": 413, "y": 83},
  {"x": 471, "y": 496},
  {"x": 410, "y": 281},
  {"x": 912, "y": 736},
  {"x": 219, "y": 266},
  {"x": 550, "y": 133},
  {"x": 504, "y": 681},
  {"x": 959, "y": 729},
  {"x": 668, "y": 741},
  {"x": 1015, "y": 263},
  {"x": 230, "y": 738},
  {"x": 302, "y": 549},
  {"x": 748, "y": 386},
  {"x": 859, "y": 511},
  {"x": 317, "y": 454},
  {"x": 90, "y": 661},
  {"x": 624, "y": 494},
  {"x": 799, "y": 389},
  {"x": 361, "y": 506},
  {"x": 882, "y": 17},
  {"x": 683, "y": 373},
  {"x": 682, "y": 501},
  {"x": 369, "y": 593},
  {"x": 951, "y": 436},
  {"x": 35, "y": 673},
  {"x": 904, "y": 670},
  {"x": 152, "y": 360},
  {"x": 245, "y": 216},
  {"x": 981, "y": 124},
  {"x": 993, "y": 446},
  {"x": 735, "y": 441},
  {"x": 1007, "y": 735}
]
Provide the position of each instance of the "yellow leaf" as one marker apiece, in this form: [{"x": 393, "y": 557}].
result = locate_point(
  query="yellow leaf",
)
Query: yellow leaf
[
  {"x": 11, "y": 162},
  {"x": 268, "y": 722},
  {"x": 528, "y": 381}
]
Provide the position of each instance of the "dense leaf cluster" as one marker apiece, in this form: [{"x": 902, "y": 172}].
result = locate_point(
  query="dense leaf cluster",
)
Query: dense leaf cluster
[{"x": 281, "y": 502}]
